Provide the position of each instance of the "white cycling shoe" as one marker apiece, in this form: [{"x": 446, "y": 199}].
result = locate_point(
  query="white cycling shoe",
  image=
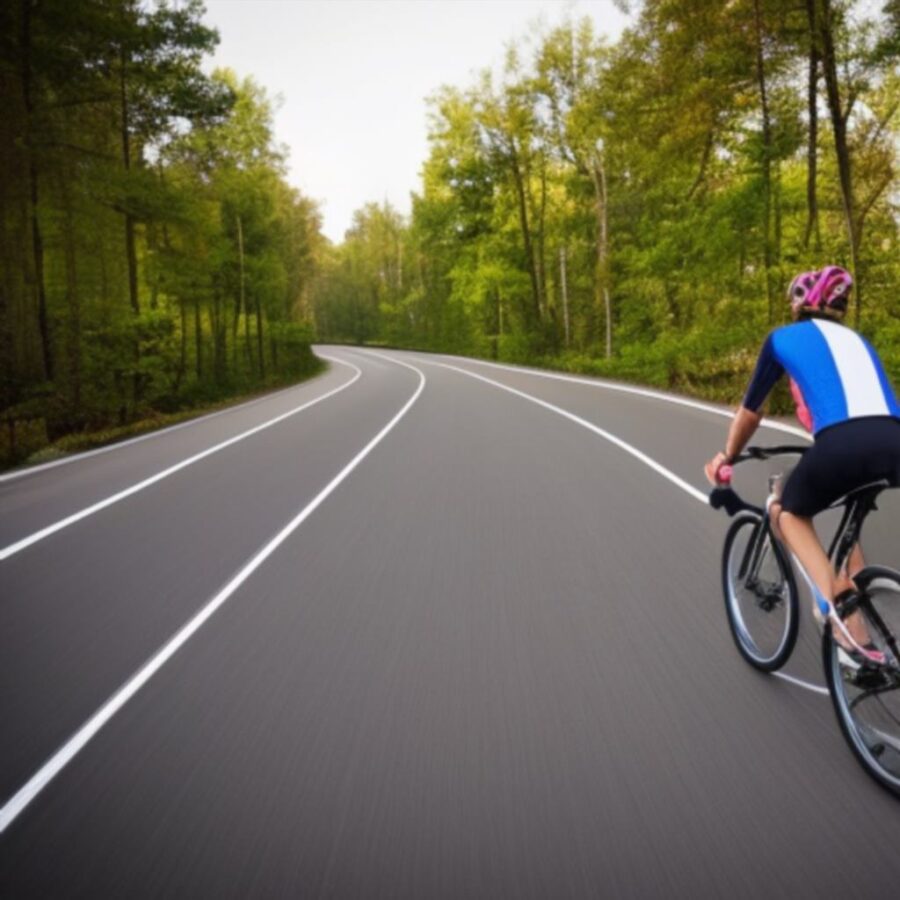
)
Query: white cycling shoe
[{"x": 851, "y": 653}]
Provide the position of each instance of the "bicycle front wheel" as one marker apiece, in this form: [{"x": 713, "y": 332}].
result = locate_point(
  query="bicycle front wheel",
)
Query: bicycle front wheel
[
  {"x": 866, "y": 698},
  {"x": 760, "y": 594}
]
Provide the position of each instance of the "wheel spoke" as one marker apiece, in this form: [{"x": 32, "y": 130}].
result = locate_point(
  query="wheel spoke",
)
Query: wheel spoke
[{"x": 760, "y": 596}]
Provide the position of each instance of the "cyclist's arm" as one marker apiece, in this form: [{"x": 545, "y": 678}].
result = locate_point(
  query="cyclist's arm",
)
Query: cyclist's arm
[
  {"x": 765, "y": 376},
  {"x": 744, "y": 423},
  {"x": 747, "y": 418}
]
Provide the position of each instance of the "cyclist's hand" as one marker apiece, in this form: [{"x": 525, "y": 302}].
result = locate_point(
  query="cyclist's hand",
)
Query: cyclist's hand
[{"x": 717, "y": 470}]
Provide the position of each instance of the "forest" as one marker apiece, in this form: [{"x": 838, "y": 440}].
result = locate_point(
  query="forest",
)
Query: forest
[
  {"x": 633, "y": 209},
  {"x": 637, "y": 209},
  {"x": 153, "y": 257}
]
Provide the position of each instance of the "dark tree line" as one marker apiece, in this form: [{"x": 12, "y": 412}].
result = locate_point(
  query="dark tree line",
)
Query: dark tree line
[{"x": 152, "y": 255}]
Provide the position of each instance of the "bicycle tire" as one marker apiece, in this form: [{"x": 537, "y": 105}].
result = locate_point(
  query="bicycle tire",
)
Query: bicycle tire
[
  {"x": 739, "y": 608},
  {"x": 873, "y": 733}
]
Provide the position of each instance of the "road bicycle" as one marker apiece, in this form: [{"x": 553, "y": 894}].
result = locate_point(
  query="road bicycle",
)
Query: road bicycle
[{"x": 762, "y": 604}]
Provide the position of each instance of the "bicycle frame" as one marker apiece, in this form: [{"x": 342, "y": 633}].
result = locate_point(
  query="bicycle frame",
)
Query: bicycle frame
[
  {"x": 857, "y": 505},
  {"x": 863, "y": 681},
  {"x": 754, "y": 555},
  {"x": 850, "y": 527}
]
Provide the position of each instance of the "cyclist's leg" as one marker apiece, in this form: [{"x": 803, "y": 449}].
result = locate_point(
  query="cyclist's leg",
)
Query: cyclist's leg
[
  {"x": 855, "y": 563},
  {"x": 843, "y": 580},
  {"x": 801, "y": 537},
  {"x": 804, "y": 543},
  {"x": 820, "y": 477},
  {"x": 791, "y": 516}
]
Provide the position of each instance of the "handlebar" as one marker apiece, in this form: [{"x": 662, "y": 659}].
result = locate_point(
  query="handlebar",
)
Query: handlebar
[
  {"x": 769, "y": 452},
  {"x": 724, "y": 496}
]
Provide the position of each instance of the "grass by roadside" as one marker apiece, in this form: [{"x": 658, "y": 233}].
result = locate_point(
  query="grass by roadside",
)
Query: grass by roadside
[{"x": 78, "y": 442}]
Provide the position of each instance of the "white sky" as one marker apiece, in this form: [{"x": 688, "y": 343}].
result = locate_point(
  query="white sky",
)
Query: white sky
[{"x": 353, "y": 76}]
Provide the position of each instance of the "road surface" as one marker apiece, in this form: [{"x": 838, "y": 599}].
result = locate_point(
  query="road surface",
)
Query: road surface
[{"x": 420, "y": 627}]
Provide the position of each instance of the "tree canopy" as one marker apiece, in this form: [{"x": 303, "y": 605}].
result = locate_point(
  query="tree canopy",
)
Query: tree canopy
[
  {"x": 152, "y": 254},
  {"x": 638, "y": 208}
]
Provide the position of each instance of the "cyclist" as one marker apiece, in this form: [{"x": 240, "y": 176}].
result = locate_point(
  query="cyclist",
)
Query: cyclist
[{"x": 853, "y": 413}]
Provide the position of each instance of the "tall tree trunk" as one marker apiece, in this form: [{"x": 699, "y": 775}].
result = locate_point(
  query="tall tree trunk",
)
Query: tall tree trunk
[
  {"x": 766, "y": 160},
  {"x": 7, "y": 360},
  {"x": 777, "y": 231},
  {"x": 198, "y": 339},
  {"x": 235, "y": 343},
  {"x": 218, "y": 328},
  {"x": 541, "y": 253},
  {"x": 130, "y": 247},
  {"x": 37, "y": 244},
  {"x": 242, "y": 295},
  {"x": 125, "y": 136},
  {"x": 601, "y": 281},
  {"x": 182, "y": 348},
  {"x": 564, "y": 286},
  {"x": 37, "y": 241},
  {"x": 842, "y": 150},
  {"x": 812, "y": 152},
  {"x": 73, "y": 302},
  {"x": 519, "y": 183},
  {"x": 152, "y": 237},
  {"x": 259, "y": 337}
]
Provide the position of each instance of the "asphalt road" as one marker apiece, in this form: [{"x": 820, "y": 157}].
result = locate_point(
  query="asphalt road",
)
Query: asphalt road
[{"x": 415, "y": 636}]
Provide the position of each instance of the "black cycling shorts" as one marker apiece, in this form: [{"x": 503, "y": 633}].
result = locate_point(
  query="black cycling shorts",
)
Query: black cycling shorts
[{"x": 844, "y": 457}]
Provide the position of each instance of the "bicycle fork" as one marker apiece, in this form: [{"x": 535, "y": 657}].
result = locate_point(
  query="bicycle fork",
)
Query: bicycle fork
[{"x": 748, "y": 571}]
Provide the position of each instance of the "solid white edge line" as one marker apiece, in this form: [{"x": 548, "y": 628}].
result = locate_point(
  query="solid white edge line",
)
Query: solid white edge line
[
  {"x": 36, "y": 536},
  {"x": 816, "y": 688},
  {"x": 157, "y": 432},
  {"x": 606, "y": 435},
  {"x": 630, "y": 389},
  {"x": 23, "y": 797},
  {"x": 628, "y": 448}
]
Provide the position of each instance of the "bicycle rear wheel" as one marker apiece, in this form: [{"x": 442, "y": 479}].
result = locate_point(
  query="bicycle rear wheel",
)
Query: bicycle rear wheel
[
  {"x": 760, "y": 594},
  {"x": 866, "y": 698}
]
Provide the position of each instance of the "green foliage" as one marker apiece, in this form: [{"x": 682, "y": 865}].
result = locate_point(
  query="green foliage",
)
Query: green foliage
[
  {"x": 152, "y": 255},
  {"x": 675, "y": 173}
]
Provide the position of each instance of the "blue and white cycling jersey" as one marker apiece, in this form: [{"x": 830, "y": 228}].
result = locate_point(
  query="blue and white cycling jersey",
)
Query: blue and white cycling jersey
[{"x": 838, "y": 372}]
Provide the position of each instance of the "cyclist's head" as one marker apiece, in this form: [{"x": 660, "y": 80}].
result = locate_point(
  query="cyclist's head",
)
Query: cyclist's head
[
  {"x": 825, "y": 292},
  {"x": 799, "y": 290}
]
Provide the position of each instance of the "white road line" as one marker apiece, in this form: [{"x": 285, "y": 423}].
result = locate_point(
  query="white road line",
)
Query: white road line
[
  {"x": 20, "y": 800},
  {"x": 606, "y": 435},
  {"x": 816, "y": 688},
  {"x": 641, "y": 392},
  {"x": 628, "y": 448},
  {"x": 368, "y": 356},
  {"x": 157, "y": 432},
  {"x": 36, "y": 536}
]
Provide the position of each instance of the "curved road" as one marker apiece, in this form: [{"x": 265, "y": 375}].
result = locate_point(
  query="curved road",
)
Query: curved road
[{"x": 421, "y": 627}]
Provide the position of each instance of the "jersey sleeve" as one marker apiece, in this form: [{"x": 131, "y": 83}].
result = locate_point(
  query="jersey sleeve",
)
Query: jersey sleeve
[{"x": 768, "y": 371}]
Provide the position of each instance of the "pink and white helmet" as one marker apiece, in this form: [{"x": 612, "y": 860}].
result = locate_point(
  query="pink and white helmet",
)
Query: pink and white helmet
[
  {"x": 831, "y": 292},
  {"x": 826, "y": 291},
  {"x": 800, "y": 289}
]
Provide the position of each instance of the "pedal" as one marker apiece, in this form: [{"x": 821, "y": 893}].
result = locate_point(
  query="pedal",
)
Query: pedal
[{"x": 870, "y": 677}]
